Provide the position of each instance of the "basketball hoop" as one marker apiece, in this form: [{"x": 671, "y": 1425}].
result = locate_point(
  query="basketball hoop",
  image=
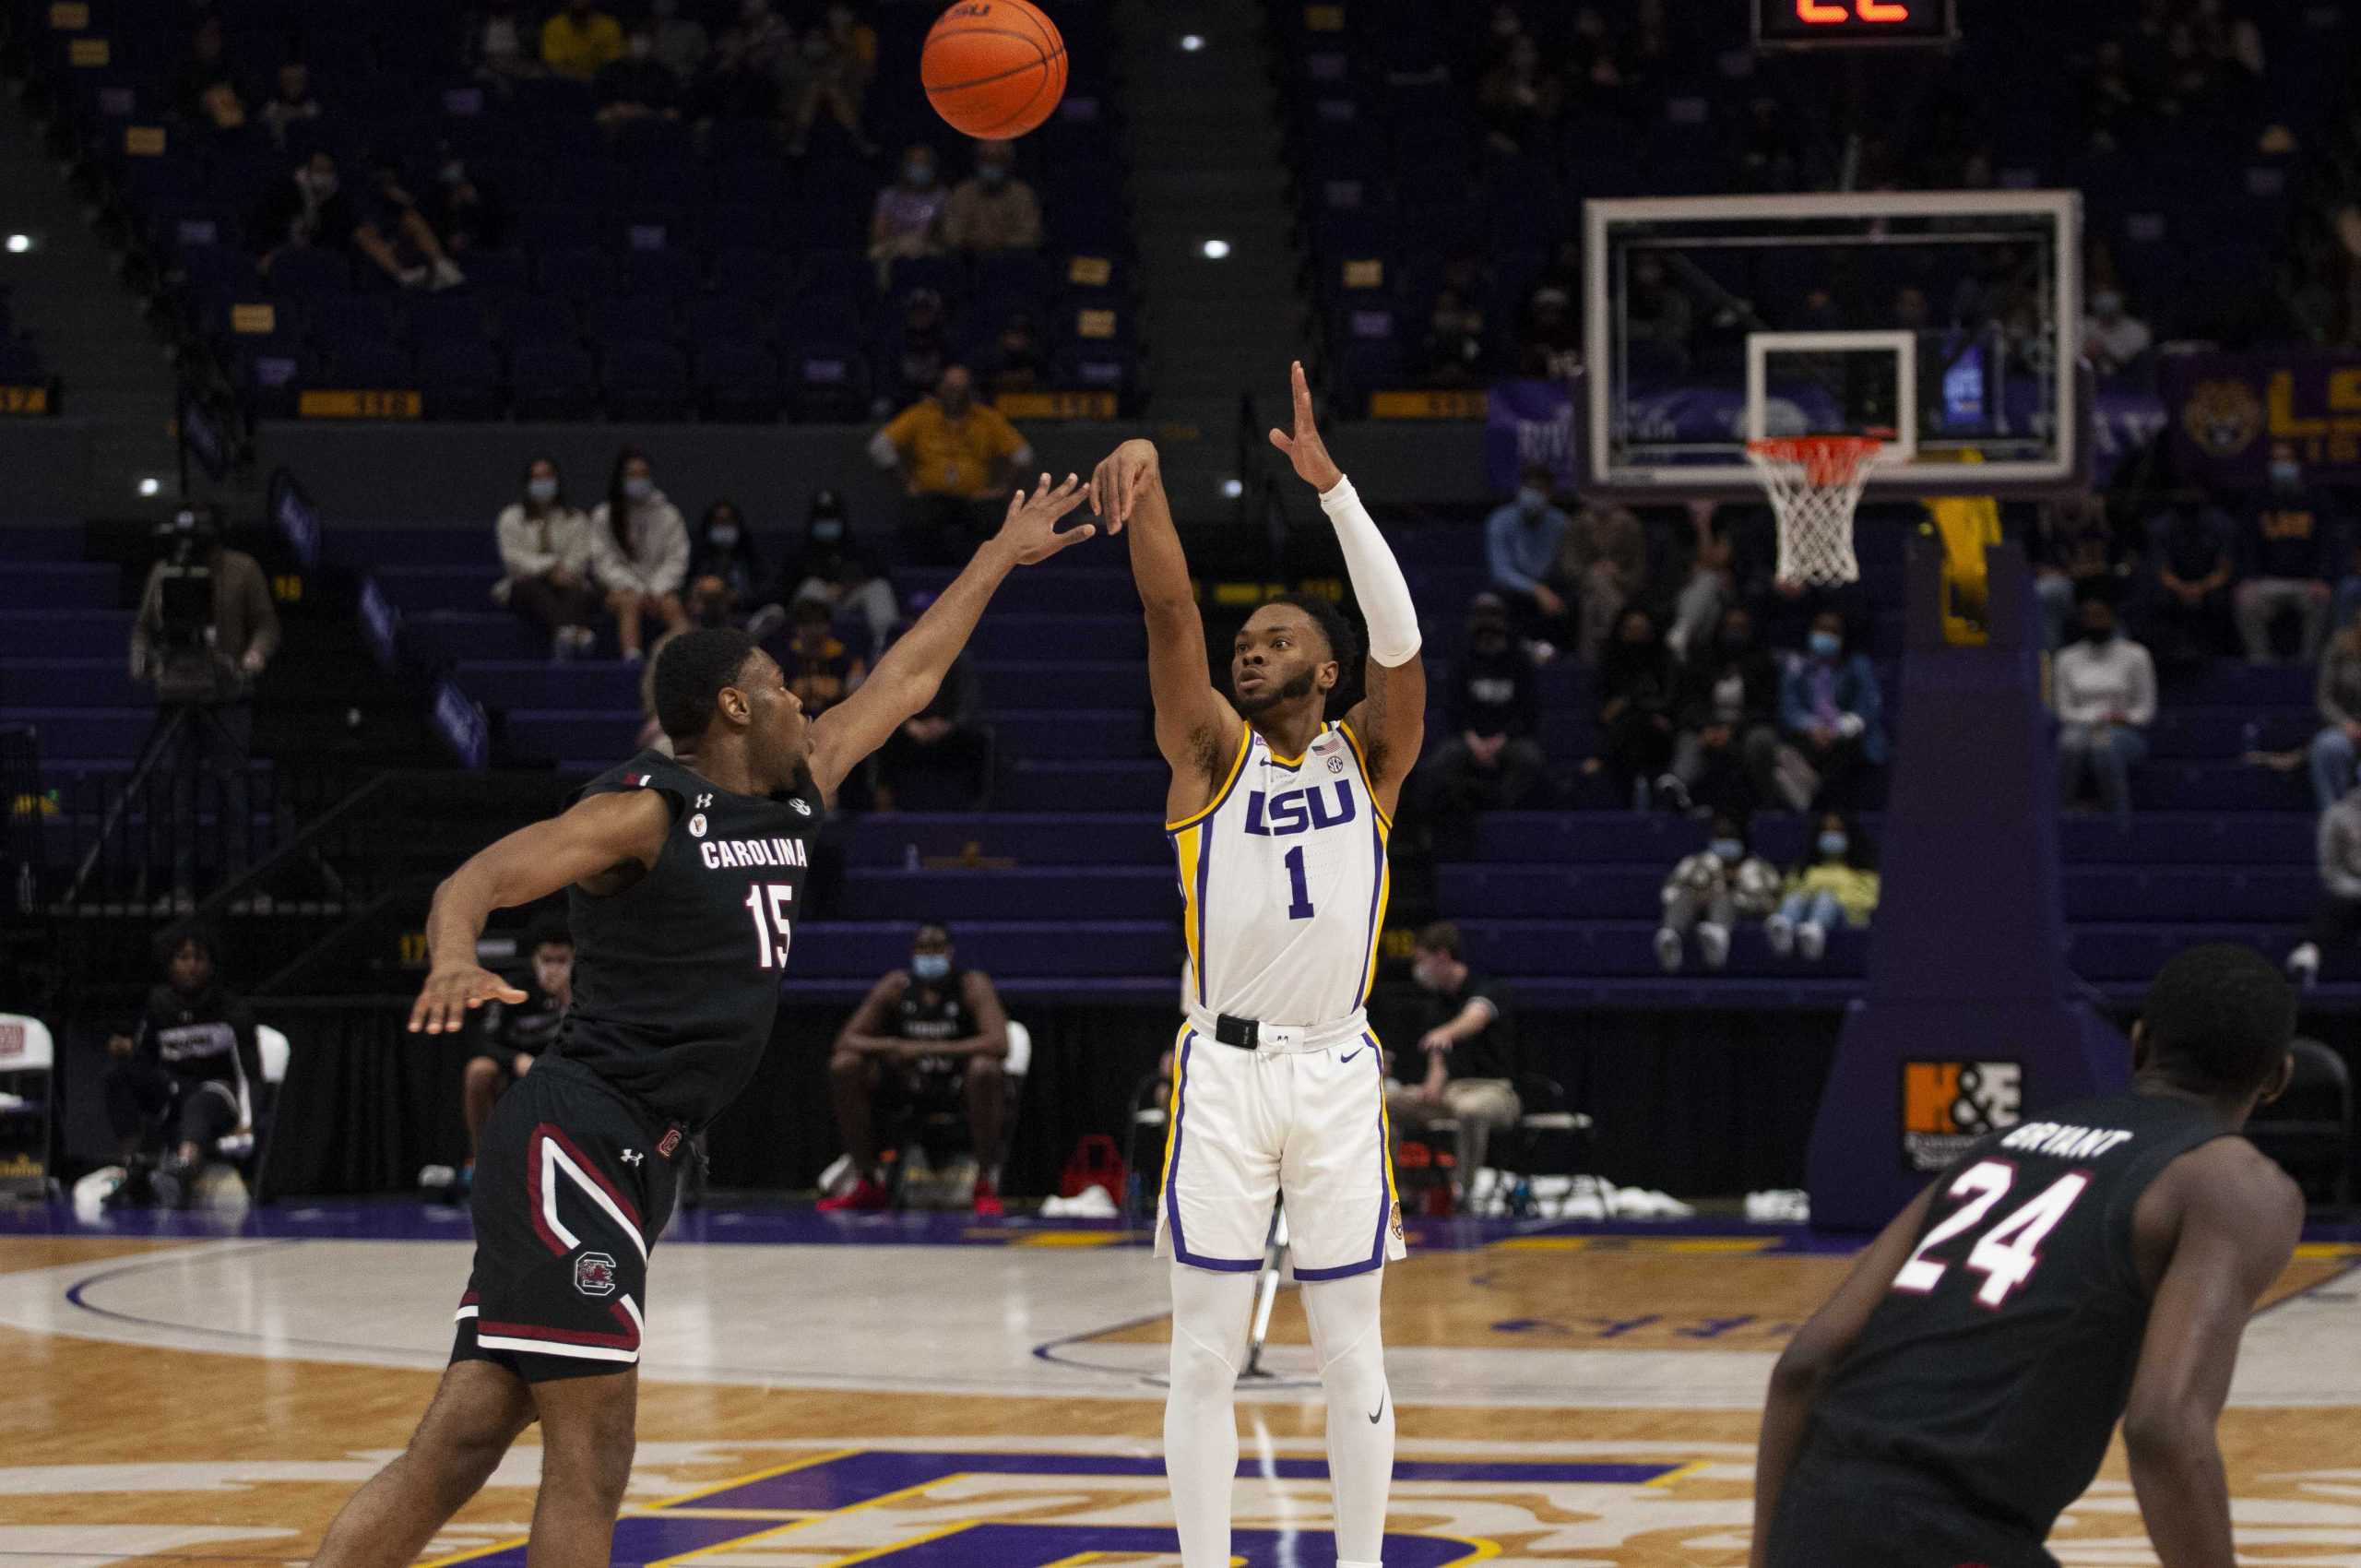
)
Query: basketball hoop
[{"x": 1815, "y": 484}]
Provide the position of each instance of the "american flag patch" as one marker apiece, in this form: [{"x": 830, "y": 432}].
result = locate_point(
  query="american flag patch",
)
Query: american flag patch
[{"x": 642, "y": 780}]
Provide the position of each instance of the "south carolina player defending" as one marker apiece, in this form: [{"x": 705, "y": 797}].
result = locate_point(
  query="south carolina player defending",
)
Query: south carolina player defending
[
  {"x": 1279, "y": 819},
  {"x": 684, "y": 875},
  {"x": 1959, "y": 1390}
]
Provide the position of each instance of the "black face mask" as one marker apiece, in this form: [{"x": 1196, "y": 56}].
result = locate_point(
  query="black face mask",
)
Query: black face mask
[{"x": 2099, "y": 637}]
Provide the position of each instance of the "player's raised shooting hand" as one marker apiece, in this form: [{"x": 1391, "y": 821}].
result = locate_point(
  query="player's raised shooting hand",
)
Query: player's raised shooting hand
[
  {"x": 450, "y": 994},
  {"x": 1304, "y": 448},
  {"x": 1031, "y": 525},
  {"x": 1116, "y": 484}
]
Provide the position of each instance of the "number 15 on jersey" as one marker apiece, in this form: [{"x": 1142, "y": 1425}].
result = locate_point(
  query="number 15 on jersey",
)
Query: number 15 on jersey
[{"x": 773, "y": 922}]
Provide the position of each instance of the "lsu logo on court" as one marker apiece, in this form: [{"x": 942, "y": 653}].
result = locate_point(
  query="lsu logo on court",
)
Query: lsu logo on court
[
  {"x": 1948, "y": 1105},
  {"x": 1299, "y": 810}
]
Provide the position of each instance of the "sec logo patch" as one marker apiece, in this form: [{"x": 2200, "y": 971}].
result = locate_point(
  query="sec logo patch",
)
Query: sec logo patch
[{"x": 696, "y": 826}]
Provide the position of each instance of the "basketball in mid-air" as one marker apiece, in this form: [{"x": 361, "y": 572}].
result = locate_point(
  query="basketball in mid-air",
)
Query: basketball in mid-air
[{"x": 993, "y": 68}]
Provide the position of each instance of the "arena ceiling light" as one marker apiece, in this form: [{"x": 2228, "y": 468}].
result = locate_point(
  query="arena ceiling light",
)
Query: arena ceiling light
[
  {"x": 1191, "y": 42},
  {"x": 20, "y": 244},
  {"x": 1215, "y": 250},
  {"x": 150, "y": 485}
]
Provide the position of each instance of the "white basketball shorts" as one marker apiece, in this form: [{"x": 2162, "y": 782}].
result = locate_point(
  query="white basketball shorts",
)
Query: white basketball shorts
[{"x": 1250, "y": 1127}]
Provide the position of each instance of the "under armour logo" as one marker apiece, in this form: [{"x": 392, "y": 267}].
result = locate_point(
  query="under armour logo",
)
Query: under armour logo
[
  {"x": 633, "y": 1157},
  {"x": 703, "y": 801}
]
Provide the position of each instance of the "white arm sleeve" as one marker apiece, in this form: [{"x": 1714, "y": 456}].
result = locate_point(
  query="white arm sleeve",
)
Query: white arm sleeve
[{"x": 1377, "y": 579}]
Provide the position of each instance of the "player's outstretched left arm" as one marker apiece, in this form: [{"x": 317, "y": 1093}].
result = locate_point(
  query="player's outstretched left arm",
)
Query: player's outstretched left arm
[
  {"x": 905, "y": 678},
  {"x": 1390, "y": 721},
  {"x": 1815, "y": 1352}
]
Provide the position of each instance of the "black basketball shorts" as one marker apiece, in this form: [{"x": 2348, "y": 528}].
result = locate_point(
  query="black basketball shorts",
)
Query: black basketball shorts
[
  {"x": 573, "y": 1185},
  {"x": 1833, "y": 1515}
]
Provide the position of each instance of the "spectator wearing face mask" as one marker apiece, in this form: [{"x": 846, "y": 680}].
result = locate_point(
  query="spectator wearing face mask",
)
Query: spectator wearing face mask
[
  {"x": 917, "y": 356},
  {"x": 291, "y": 102},
  {"x": 1020, "y": 362},
  {"x": 393, "y": 215},
  {"x": 1454, "y": 351},
  {"x": 2283, "y": 559},
  {"x": 581, "y": 41},
  {"x": 639, "y": 551},
  {"x": 1832, "y": 890},
  {"x": 1604, "y": 559},
  {"x": 827, "y": 568},
  {"x": 2113, "y": 338},
  {"x": 681, "y": 42},
  {"x": 724, "y": 572},
  {"x": 2189, "y": 614},
  {"x": 1491, "y": 761},
  {"x": 466, "y": 214},
  {"x": 497, "y": 46},
  {"x": 1709, "y": 893},
  {"x": 1636, "y": 686},
  {"x": 636, "y": 85},
  {"x": 992, "y": 211},
  {"x": 1521, "y": 541},
  {"x": 941, "y": 758},
  {"x": 1726, "y": 757},
  {"x": 1832, "y": 709},
  {"x": 1466, "y": 1071},
  {"x": 313, "y": 210},
  {"x": 2104, "y": 692},
  {"x": 907, "y": 219},
  {"x": 545, "y": 562},
  {"x": 2076, "y": 550},
  {"x": 832, "y": 73},
  {"x": 956, "y": 459},
  {"x": 741, "y": 81},
  {"x": 822, "y": 670}
]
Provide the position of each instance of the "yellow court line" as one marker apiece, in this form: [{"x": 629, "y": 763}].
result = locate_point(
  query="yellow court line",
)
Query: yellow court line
[
  {"x": 1074, "y": 1238},
  {"x": 870, "y": 1555},
  {"x": 877, "y": 1502},
  {"x": 1674, "y": 1477},
  {"x": 1541, "y": 1244},
  {"x": 825, "y": 1455},
  {"x": 2317, "y": 1252},
  {"x": 477, "y": 1553},
  {"x": 777, "y": 1516}
]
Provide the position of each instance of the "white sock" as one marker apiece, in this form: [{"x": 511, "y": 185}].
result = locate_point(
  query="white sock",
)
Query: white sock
[
  {"x": 1210, "y": 1316},
  {"x": 1352, "y": 1371}
]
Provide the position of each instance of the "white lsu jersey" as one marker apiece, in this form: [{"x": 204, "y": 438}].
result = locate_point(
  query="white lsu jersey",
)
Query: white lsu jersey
[{"x": 1284, "y": 876}]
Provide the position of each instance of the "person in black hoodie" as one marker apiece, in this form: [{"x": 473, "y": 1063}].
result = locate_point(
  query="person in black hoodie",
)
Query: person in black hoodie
[
  {"x": 1636, "y": 678},
  {"x": 185, "y": 1077},
  {"x": 1491, "y": 761},
  {"x": 1724, "y": 756}
]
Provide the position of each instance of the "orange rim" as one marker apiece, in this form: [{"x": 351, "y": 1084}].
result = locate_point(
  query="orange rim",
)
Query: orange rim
[{"x": 1826, "y": 460}]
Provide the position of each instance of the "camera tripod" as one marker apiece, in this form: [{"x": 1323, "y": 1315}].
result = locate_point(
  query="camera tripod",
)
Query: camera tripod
[{"x": 173, "y": 717}]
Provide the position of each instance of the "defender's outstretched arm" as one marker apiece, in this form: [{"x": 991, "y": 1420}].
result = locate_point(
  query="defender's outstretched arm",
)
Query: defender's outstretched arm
[{"x": 905, "y": 678}]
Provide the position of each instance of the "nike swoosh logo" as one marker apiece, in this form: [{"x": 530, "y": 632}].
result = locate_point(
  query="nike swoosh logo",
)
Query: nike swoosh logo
[
  {"x": 1341, "y": 1060},
  {"x": 1381, "y": 1409}
]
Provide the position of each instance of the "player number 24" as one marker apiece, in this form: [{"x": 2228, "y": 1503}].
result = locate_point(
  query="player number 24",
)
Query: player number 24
[
  {"x": 767, "y": 902},
  {"x": 2008, "y": 1253}
]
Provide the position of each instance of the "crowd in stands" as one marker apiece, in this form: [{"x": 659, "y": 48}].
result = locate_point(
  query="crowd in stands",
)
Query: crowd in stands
[{"x": 650, "y": 208}]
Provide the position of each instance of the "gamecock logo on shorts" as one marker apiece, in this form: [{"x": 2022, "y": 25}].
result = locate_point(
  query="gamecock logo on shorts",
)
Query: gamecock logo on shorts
[{"x": 594, "y": 1274}]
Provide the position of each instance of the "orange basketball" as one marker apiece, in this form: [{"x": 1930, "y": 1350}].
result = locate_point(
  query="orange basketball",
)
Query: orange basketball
[{"x": 993, "y": 68}]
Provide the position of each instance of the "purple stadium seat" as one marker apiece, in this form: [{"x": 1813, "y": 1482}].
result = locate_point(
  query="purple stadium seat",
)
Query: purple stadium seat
[
  {"x": 578, "y": 274},
  {"x": 829, "y": 378},
  {"x": 671, "y": 272},
  {"x": 713, "y": 319},
  {"x": 460, "y": 378},
  {"x": 751, "y": 273},
  {"x": 443, "y": 318},
  {"x": 625, "y": 319},
  {"x": 552, "y": 381},
  {"x": 737, "y": 382},
  {"x": 351, "y": 318},
  {"x": 646, "y": 379},
  {"x": 538, "y": 318},
  {"x": 310, "y": 270},
  {"x": 368, "y": 366},
  {"x": 552, "y": 226}
]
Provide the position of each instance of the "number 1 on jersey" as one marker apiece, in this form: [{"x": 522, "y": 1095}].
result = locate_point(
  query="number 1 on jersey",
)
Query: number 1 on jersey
[
  {"x": 1302, "y": 909},
  {"x": 774, "y": 927}
]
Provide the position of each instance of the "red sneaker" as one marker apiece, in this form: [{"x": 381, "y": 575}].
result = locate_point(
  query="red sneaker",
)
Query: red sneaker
[
  {"x": 988, "y": 1203},
  {"x": 866, "y": 1198}
]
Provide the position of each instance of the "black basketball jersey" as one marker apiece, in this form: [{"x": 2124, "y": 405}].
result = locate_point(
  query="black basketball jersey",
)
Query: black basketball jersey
[
  {"x": 935, "y": 1010},
  {"x": 2000, "y": 1361},
  {"x": 676, "y": 978}
]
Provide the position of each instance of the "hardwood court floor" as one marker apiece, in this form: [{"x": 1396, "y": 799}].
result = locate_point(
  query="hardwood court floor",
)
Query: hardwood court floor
[{"x": 1563, "y": 1400}]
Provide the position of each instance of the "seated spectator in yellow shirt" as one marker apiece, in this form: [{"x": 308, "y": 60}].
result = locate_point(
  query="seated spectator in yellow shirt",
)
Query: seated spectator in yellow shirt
[
  {"x": 579, "y": 41},
  {"x": 1837, "y": 887},
  {"x": 957, "y": 459}
]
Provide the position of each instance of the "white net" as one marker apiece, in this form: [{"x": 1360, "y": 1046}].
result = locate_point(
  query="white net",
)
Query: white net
[{"x": 1815, "y": 484}]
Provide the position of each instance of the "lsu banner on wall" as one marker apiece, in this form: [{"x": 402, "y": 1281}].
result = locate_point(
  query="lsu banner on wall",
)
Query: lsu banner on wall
[{"x": 2227, "y": 409}]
